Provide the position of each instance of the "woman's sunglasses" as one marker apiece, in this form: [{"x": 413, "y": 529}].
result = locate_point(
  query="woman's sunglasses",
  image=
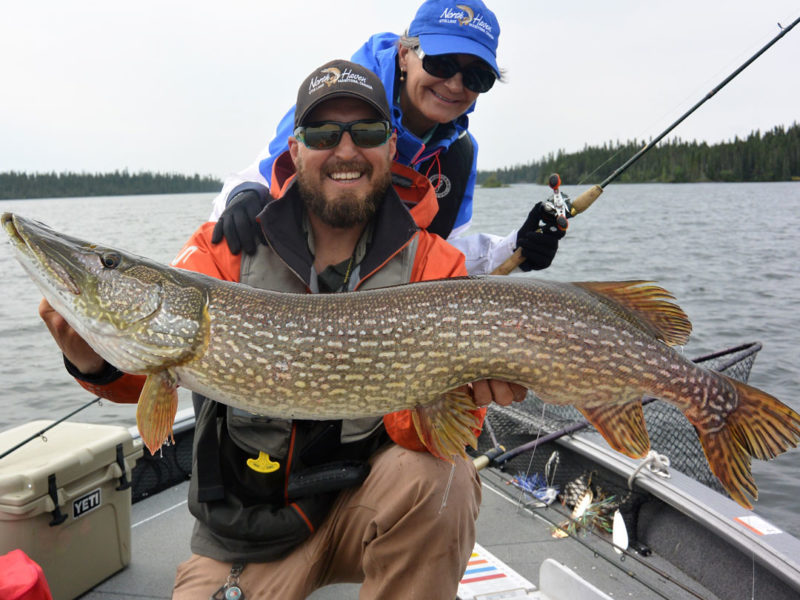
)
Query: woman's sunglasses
[
  {"x": 324, "y": 135},
  {"x": 476, "y": 78}
]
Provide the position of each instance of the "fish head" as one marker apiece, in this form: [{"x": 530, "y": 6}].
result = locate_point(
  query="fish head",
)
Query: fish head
[{"x": 138, "y": 315}]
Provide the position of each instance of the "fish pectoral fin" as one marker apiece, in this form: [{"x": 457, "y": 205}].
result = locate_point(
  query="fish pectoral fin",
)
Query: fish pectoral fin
[
  {"x": 447, "y": 425},
  {"x": 155, "y": 413},
  {"x": 622, "y": 425},
  {"x": 646, "y": 305}
]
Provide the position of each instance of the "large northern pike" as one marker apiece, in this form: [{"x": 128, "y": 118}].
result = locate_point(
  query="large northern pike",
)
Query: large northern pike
[{"x": 597, "y": 346}]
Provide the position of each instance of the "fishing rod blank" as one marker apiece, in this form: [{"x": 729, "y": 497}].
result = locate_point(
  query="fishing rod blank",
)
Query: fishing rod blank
[
  {"x": 707, "y": 97},
  {"x": 41, "y": 432},
  {"x": 585, "y": 200}
]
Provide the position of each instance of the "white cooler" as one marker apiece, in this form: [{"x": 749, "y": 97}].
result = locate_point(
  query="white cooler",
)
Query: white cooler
[{"x": 65, "y": 500}]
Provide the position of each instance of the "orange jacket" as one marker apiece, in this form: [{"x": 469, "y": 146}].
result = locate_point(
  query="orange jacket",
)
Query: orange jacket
[{"x": 434, "y": 259}]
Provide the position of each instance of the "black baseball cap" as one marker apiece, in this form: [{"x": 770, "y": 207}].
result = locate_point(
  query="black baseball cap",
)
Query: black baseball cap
[{"x": 336, "y": 79}]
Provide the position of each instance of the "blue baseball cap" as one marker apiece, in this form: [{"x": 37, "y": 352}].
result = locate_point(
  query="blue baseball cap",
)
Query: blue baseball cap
[{"x": 452, "y": 27}]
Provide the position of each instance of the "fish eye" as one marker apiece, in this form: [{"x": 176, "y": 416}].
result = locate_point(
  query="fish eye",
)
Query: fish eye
[{"x": 110, "y": 260}]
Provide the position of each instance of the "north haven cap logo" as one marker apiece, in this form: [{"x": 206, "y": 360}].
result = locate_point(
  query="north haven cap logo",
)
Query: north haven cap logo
[
  {"x": 465, "y": 16},
  {"x": 332, "y": 76}
]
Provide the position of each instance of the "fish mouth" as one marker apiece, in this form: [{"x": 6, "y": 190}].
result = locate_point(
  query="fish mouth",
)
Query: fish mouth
[
  {"x": 23, "y": 235},
  {"x": 7, "y": 220}
]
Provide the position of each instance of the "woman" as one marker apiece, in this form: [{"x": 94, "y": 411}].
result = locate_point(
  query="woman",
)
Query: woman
[{"x": 433, "y": 76}]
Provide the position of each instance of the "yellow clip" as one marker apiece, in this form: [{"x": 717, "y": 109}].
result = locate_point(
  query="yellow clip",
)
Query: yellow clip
[{"x": 263, "y": 464}]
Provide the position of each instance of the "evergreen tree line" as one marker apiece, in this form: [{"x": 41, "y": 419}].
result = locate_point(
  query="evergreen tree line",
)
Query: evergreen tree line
[
  {"x": 772, "y": 156},
  {"x": 14, "y": 185}
]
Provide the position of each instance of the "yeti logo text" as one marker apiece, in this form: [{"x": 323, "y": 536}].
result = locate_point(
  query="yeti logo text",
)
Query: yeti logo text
[{"x": 86, "y": 503}]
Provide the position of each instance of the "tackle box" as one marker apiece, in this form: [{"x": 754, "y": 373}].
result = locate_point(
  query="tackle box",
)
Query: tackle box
[{"x": 65, "y": 500}]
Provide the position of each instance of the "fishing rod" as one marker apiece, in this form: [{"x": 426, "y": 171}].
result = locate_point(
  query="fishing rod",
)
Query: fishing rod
[
  {"x": 585, "y": 200},
  {"x": 616, "y": 561},
  {"x": 41, "y": 432}
]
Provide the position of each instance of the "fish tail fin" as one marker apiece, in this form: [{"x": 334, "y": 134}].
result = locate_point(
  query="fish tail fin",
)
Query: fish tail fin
[
  {"x": 446, "y": 426},
  {"x": 621, "y": 424},
  {"x": 761, "y": 426},
  {"x": 155, "y": 412}
]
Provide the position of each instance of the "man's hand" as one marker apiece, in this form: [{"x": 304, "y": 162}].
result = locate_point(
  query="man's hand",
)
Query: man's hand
[
  {"x": 77, "y": 351},
  {"x": 486, "y": 391},
  {"x": 538, "y": 238},
  {"x": 238, "y": 225}
]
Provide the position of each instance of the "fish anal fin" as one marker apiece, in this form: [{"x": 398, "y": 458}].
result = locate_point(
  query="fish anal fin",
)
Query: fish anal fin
[
  {"x": 155, "y": 412},
  {"x": 761, "y": 427},
  {"x": 447, "y": 425},
  {"x": 730, "y": 463},
  {"x": 651, "y": 307},
  {"x": 622, "y": 425}
]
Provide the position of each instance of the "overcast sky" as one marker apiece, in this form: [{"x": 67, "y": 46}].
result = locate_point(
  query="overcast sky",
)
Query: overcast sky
[{"x": 198, "y": 87}]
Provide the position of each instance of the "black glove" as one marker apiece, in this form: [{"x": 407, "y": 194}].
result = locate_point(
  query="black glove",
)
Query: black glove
[
  {"x": 538, "y": 238},
  {"x": 238, "y": 225}
]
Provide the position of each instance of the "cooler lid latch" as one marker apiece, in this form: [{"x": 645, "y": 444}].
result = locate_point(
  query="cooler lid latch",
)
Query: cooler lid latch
[
  {"x": 124, "y": 484},
  {"x": 52, "y": 491}
]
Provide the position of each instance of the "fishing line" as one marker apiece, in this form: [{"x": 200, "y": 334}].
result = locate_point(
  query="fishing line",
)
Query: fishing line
[
  {"x": 530, "y": 462},
  {"x": 449, "y": 483},
  {"x": 708, "y": 96},
  {"x": 48, "y": 428},
  {"x": 488, "y": 426},
  {"x": 705, "y": 98},
  {"x": 603, "y": 164}
]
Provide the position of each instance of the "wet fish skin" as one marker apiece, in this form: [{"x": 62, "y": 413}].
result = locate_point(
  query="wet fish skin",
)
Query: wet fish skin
[{"x": 598, "y": 346}]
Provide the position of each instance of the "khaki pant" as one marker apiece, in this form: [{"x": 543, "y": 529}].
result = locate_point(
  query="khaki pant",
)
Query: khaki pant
[{"x": 391, "y": 534}]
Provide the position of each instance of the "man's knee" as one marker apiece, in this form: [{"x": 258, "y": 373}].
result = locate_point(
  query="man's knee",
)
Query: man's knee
[{"x": 431, "y": 484}]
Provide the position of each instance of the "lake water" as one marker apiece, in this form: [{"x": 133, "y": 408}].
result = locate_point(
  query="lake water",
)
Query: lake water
[{"x": 728, "y": 252}]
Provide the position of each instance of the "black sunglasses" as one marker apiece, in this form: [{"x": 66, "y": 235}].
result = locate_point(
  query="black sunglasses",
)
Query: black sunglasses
[
  {"x": 324, "y": 135},
  {"x": 476, "y": 78}
]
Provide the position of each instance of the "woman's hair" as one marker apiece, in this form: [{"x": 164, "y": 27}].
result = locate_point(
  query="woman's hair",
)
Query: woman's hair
[
  {"x": 412, "y": 43},
  {"x": 408, "y": 41}
]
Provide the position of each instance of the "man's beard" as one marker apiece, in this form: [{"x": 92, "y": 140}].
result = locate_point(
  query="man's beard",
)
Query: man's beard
[{"x": 347, "y": 208}]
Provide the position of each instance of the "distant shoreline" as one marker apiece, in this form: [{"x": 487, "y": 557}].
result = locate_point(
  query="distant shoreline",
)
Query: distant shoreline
[
  {"x": 771, "y": 156},
  {"x": 29, "y": 186}
]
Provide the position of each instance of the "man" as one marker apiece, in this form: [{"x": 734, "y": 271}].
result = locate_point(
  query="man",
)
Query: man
[{"x": 285, "y": 507}]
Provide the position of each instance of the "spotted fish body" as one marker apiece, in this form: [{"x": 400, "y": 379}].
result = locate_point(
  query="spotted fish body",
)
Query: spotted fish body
[{"x": 597, "y": 346}]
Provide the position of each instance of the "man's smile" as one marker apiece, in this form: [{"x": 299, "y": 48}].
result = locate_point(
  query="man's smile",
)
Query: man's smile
[{"x": 345, "y": 176}]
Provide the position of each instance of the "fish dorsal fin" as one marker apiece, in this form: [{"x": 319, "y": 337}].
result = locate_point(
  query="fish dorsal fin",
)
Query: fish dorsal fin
[{"x": 646, "y": 305}]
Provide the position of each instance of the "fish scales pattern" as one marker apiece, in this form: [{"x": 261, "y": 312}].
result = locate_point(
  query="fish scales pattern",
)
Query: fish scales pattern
[
  {"x": 372, "y": 356},
  {"x": 384, "y": 351}
]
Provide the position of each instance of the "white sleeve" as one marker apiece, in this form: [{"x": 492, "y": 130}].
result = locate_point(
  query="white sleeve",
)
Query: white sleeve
[
  {"x": 485, "y": 252},
  {"x": 250, "y": 174}
]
